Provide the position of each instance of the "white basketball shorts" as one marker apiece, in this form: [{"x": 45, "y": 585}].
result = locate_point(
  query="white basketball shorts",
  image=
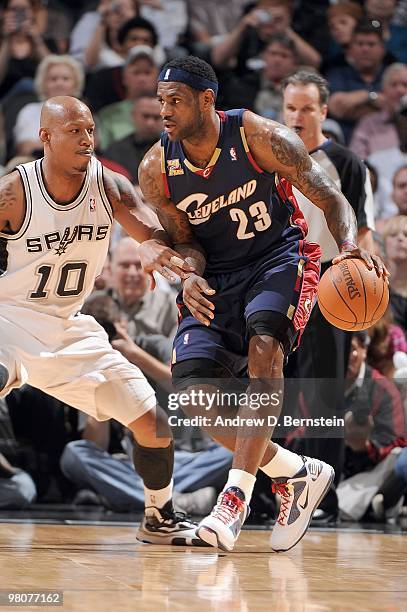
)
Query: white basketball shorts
[{"x": 72, "y": 360}]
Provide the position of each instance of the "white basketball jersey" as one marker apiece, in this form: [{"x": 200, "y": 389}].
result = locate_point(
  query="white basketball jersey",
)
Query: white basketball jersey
[{"x": 51, "y": 263}]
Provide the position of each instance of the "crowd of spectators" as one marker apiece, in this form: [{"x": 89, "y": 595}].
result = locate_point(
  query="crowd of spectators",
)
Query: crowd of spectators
[{"x": 108, "y": 53}]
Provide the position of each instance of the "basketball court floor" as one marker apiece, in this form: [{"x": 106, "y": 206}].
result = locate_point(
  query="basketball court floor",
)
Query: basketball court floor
[{"x": 99, "y": 566}]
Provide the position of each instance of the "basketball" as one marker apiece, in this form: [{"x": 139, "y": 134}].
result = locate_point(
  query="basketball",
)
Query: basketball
[{"x": 352, "y": 297}]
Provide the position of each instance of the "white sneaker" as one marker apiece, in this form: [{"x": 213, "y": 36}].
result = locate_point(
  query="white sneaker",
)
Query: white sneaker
[
  {"x": 300, "y": 496},
  {"x": 222, "y": 527},
  {"x": 165, "y": 526}
]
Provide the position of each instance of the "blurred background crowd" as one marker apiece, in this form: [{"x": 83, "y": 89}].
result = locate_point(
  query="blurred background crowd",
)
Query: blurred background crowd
[{"x": 108, "y": 54}]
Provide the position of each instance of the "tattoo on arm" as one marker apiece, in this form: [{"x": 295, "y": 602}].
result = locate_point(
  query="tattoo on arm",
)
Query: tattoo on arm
[
  {"x": 8, "y": 197},
  {"x": 173, "y": 221},
  {"x": 119, "y": 190},
  {"x": 310, "y": 178}
]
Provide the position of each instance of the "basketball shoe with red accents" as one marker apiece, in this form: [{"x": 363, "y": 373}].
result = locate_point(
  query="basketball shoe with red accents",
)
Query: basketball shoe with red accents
[
  {"x": 300, "y": 496},
  {"x": 222, "y": 527}
]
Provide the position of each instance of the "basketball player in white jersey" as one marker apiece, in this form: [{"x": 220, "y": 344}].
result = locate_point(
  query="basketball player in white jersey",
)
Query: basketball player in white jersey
[{"x": 55, "y": 220}]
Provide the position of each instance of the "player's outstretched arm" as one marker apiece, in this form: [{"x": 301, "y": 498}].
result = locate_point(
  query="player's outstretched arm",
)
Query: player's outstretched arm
[
  {"x": 176, "y": 224},
  {"x": 134, "y": 217},
  {"x": 276, "y": 148},
  {"x": 174, "y": 221},
  {"x": 12, "y": 207}
]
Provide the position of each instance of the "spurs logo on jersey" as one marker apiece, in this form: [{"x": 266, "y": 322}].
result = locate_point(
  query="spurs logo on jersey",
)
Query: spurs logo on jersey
[
  {"x": 53, "y": 240},
  {"x": 60, "y": 248}
]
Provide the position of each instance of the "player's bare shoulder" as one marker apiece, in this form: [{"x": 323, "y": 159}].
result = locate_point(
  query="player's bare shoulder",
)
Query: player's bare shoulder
[
  {"x": 150, "y": 177},
  {"x": 12, "y": 202},
  {"x": 273, "y": 145},
  {"x": 119, "y": 190}
]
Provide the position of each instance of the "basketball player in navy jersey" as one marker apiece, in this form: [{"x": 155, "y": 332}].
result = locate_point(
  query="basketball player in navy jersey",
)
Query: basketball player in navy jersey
[
  {"x": 224, "y": 179},
  {"x": 55, "y": 219}
]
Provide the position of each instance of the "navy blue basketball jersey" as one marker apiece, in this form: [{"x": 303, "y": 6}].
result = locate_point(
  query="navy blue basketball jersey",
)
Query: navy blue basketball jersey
[{"x": 238, "y": 212}]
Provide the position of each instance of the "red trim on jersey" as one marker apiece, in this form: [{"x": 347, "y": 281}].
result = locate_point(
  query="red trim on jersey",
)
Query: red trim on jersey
[
  {"x": 285, "y": 192},
  {"x": 205, "y": 172},
  {"x": 254, "y": 163},
  {"x": 222, "y": 116},
  {"x": 180, "y": 317},
  {"x": 309, "y": 285},
  {"x": 166, "y": 186},
  {"x": 297, "y": 286}
]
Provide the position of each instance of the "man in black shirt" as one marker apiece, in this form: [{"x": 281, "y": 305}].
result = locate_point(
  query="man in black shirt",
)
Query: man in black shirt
[{"x": 323, "y": 353}]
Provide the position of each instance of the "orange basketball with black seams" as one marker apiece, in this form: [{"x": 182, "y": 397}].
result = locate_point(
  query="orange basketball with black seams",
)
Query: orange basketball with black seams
[{"x": 352, "y": 297}]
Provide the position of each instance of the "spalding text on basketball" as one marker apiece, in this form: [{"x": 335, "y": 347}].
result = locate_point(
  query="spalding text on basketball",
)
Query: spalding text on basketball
[{"x": 353, "y": 291}]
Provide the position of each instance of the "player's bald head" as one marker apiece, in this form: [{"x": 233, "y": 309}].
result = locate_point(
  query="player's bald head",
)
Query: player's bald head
[{"x": 62, "y": 109}]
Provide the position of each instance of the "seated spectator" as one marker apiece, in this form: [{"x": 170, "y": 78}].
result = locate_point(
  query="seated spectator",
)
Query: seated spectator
[
  {"x": 387, "y": 503},
  {"x": 42, "y": 425},
  {"x": 355, "y": 87},
  {"x": 395, "y": 36},
  {"x": 17, "y": 489},
  {"x": 399, "y": 194},
  {"x": 58, "y": 24},
  {"x": 280, "y": 60},
  {"x": 332, "y": 130},
  {"x": 57, "y": 75},
  {"x": 374, "y": 422},
  {"x": 342, "y": 20},
  {"x": 139, "y": 31},
  {"x": 94, "y": 39},
  {"x": 129, "y": 151},
  {"x": 387, "y": 162},
  {"x": 152, "y": 315},
  {"x": 385, "y": 339},
  {"x": 106, "y": 85},
  {"x": 22, "y": 46},
  {"x": 209, "y": 21},
  {"x": 395, "y": 237},
  {"x": 106, "y": 311},
  {"x": 140, "y": 74},
  {"x": 170, "y": 18},
  {"x": 89, "y": 465},
  {"x": 264, "y": 19},
  {"x": 377, "y": 131}
]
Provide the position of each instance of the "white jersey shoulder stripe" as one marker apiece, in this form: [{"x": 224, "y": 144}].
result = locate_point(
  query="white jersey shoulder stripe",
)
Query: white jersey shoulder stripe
[
  {"x": 28, "y": 204},
  {"x": 103, "y": 195},
  {"x": 69, "y": 206}
]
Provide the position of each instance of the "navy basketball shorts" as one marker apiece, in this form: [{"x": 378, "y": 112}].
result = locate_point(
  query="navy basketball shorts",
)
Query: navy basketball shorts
[{"x": 272, "y": 297}]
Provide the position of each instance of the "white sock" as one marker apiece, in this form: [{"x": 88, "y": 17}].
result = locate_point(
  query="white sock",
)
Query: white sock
[
  {"x": 284, "y": 463},
  {"x": 243, "y": 480},
  {"x": 157, "y": 497}
]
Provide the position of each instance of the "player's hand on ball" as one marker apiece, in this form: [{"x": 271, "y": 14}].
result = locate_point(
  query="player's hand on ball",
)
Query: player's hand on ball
[
  {"x": 201, "y": 308},
  {"x": 371, "y": 261},
  {"x": 158, "y": 257}
]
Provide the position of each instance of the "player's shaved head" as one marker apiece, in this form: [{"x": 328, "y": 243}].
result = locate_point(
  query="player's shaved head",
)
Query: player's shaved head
[
  {"x": 61, "y": 109},
  {"x": 67, "y": 132}
]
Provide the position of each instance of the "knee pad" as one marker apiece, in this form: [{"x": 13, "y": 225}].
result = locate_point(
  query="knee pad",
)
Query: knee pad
[
  {"x": 154, "y": 465},
  {"x": 275, "y": 324}
]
